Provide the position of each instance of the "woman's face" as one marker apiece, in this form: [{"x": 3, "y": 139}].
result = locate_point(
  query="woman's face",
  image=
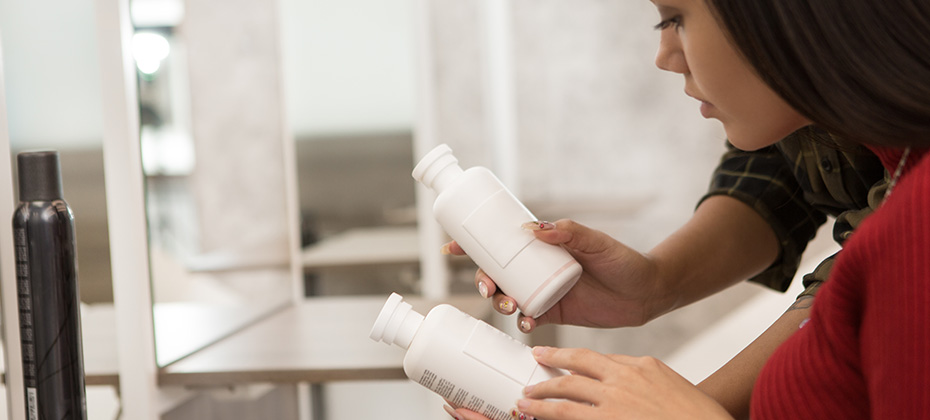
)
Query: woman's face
[{"x": 694, "y": 45}]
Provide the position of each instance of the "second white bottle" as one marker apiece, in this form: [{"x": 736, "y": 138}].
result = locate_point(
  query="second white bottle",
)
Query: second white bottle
[
  {"x": 486, "y": 220},
  {"x": 468, "y": 362}
]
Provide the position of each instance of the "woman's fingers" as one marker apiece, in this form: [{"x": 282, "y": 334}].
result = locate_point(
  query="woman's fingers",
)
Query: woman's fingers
[
  {"x": 569, "y": 387},
  {"x": 486, "y": 287},
  {"x": 556, "y": 409},
  {"x": 579, "y": 239},
  {"x": 504, "y": 304},
  {"x": 451, "y": 248},
  {"x": 581, "y": 361},
  {"x": 526, "y": 323}
]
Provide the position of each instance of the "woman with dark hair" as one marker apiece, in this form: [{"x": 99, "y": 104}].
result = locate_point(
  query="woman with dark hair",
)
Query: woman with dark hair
[{"x": 773, "y": 71}]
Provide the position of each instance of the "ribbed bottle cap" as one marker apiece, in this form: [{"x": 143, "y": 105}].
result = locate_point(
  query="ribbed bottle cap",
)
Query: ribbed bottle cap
[
  {"x": 39, "y": 176},
  {"x": 377, "y": 330},
  {"x": 397, "y": 323},
  {"x": 433, "y": 163}
]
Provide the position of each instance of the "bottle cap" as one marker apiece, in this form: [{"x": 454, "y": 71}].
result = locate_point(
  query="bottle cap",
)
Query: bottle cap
[
  {"x": 39, "y": 176},
  {"x": 397, "y": 323},
  {"x": 431, "y": 165}
]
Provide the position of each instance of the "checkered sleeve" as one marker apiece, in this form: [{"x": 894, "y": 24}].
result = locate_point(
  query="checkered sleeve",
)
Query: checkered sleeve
[{"x": 764, "y": 181}]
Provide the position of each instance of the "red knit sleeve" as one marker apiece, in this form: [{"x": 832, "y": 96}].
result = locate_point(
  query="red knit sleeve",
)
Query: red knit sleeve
[{"x": 895, "y": 330}]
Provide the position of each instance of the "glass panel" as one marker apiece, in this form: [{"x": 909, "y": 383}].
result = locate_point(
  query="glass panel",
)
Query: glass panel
[
  {"x": 213, "y": 154},
  {"x": 350, "y": 86},
  {"x": 52, "y": 94},
  {"x": 53, "y": 102}
]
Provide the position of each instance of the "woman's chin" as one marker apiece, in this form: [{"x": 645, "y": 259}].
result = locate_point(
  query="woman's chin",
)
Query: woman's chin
[{"x": 754, "y": 138}]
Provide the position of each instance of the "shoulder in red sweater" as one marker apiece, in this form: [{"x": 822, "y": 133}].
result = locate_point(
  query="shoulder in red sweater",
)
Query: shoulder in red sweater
[{"x": 865, "y": 353}]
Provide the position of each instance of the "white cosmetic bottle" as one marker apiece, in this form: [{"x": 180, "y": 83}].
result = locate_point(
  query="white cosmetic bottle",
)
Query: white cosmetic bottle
[
  {"x": 486, "y": 220},
  {"x": 466, "y": 361}
]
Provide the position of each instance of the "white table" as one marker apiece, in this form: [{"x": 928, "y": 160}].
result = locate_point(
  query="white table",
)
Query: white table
[{"x": 319, "y": 340}]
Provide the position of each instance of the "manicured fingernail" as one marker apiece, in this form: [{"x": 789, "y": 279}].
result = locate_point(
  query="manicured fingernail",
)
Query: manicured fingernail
[
  {"x": 446, "y": 249},
  {"x": 527, "y": 390},
  {"x": 483, "y": 289},
  {"x": 538, "y": 225},
  {"x": 523, "y": 404},
  {"x": 506, "y": 305},
  {"x": 452, "y": 412},
  {"x": 517, "y": 415},
  {"x": 540, "y": 350},
  {"x": 525, "y": 325}
]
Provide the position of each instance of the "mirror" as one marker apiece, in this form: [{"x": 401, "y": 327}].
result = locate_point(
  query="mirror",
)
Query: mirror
[
  {"x": 213, "y": 152},
  {"x": 52, "y": 88},
  {"x": 350, "y": 94},
  {"x": 52, "y": 92}
]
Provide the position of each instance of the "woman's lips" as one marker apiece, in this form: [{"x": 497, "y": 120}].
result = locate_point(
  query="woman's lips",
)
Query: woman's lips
[{"x": 707, "y": 108}]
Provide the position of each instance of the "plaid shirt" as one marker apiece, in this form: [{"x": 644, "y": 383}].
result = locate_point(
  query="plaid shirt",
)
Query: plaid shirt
[{"x": 795, "y": 184}]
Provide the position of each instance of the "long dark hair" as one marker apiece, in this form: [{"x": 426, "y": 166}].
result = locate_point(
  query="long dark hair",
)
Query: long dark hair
[{"x": 858, "y": 68}]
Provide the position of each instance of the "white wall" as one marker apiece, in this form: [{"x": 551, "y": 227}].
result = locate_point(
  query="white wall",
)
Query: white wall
[
  {"x": 349, "y": 68},
  {"x": 348, "y": 65},
  {"x": 51, "y": 70}
]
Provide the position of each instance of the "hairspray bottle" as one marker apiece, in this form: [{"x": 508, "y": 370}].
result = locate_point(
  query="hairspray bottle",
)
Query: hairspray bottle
[{"x": 49, "y": 308}]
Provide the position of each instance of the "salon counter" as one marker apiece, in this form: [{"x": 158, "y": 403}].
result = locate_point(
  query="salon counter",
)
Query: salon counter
[{"x": 318, "y": 340}]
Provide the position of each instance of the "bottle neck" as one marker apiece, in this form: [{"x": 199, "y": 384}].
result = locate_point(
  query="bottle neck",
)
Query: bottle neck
[
  {"x": 446, "y": 177},
  {"x": 438, "y": 169},
  {"x": 397, "y": 323},
  {"x": 410, "y": 323}
]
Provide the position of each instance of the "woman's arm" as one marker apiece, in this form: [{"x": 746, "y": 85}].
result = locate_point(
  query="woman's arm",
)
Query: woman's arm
[
  {"x": 723, "y": 243},
  {"x": 732, "y": 384}
]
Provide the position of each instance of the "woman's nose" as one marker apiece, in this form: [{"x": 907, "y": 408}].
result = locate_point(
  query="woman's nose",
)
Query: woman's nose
[{"x": 670, "y": 56}]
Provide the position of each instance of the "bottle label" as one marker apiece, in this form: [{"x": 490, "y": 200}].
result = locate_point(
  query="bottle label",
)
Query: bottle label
[
  {"x": 32, "y": 403},
  {"x": 496, "y": 226},
  {"x": 459, "y": 397},
  {"x": 501, "y": 352},
  {"x": 26, "y": 327},
  {"x": 495, "y": 413}
]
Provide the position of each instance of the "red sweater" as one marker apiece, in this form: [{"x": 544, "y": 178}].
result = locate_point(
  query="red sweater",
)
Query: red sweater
[{"x": 865, "y": 353}]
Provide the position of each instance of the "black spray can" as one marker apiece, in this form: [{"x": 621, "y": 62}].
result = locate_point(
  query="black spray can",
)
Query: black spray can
[{"x": 49, "y": 308}]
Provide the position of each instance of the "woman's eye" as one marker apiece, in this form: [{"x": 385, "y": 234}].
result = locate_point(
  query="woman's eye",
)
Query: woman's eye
[{"x": 672, "y": 22}]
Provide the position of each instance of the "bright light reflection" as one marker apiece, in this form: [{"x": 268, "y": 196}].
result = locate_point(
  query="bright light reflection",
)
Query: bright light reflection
[{"x": 149, "y": 49}]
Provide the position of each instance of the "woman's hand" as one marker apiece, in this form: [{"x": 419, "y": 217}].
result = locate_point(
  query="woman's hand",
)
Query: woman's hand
[
  {"x": 618, "y": 287},
  {"x": 609, "y": 387},
  {"x": 614, "y": 387}
]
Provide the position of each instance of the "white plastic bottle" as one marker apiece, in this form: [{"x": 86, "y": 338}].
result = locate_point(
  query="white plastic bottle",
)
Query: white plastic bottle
[
  {"x": 486, "y": 220},
  {"x": 466, "y": 361}
]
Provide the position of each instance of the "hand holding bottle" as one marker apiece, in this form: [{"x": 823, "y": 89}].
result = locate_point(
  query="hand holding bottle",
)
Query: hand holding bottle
[
  {"x": 484, "y": 217},
  {"x": 618, "y": 286},
  {"x": 609, "y": 387},
  {"x": 466, "y": 361}
]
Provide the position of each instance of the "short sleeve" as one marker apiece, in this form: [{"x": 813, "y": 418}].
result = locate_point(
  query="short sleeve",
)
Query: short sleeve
[{"x": 764, "y": 181}]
